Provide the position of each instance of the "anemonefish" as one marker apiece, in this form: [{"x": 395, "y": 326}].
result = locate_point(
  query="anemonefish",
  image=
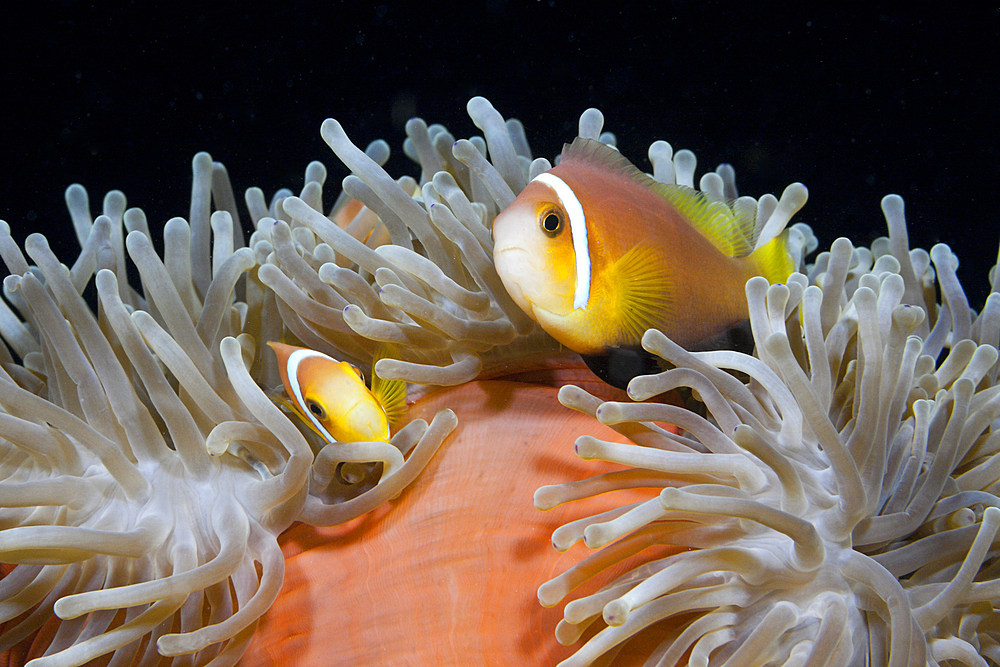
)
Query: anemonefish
[
  {"x": 597, "y": 252},
  {"x": 331, "y": 397}
]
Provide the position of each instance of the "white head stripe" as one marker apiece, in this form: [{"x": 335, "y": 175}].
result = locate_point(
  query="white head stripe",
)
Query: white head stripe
[
  {"x": 578, "y": 229},
  {"x": 292, "y": 369}
]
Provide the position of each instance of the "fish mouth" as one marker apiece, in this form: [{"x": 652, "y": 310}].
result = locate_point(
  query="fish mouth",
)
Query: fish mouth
[
  {"x": 522, "y": 276},
  {"x": 518, "y": 255},
  {"x": 511, "y": 263},
  {"x": 510, "y": 247}
]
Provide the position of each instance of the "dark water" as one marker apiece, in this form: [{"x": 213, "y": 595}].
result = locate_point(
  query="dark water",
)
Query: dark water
[{"x": 855, "y": 104}]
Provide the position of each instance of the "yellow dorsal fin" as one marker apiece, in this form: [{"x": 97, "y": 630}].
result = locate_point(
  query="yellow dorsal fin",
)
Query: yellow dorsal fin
[
  {"x": 643, "y": 292},
  {"x": 730, "y": 230},
  {"x": 772, "y": 260},
  {"x": 731, "y": 233},
  {"x": 391, "y": 394}
]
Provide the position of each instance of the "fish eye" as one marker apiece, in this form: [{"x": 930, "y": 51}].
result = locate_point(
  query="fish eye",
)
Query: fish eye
[
  {"x": 316, "y": 409},
  {"x": 551, "y": 222}
]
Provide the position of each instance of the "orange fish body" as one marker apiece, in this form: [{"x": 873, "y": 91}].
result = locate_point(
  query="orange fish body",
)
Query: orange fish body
[
  {"x": 331, "y": 397},
  {"x": 597, "y": 252}
]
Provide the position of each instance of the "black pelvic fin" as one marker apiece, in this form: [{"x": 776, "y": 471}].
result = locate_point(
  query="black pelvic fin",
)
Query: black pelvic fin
[
  {"x": 618, "y": 365},
  {"x": 738, "y": 338}
]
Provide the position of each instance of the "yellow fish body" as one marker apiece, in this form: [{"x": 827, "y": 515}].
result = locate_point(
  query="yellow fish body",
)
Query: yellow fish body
[
  {"x": 597, "y": 252},
  {"x": 331, "y": 397}
]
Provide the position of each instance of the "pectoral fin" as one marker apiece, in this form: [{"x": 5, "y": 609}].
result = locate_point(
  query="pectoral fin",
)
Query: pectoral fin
[{"x": 391, "y": 394}]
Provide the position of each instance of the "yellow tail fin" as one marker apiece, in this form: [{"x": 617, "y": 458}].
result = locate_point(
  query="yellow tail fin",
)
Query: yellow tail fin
[{"x": 772, "y": 260}]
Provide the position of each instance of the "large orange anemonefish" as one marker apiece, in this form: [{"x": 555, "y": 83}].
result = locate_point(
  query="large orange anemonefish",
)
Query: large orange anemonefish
[
  {"x": 331, "y": 397},
  {"x": 597, "y": 252}
]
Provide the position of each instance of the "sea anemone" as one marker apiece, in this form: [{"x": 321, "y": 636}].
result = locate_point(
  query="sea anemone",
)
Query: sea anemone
[
  {"x": 833, "y": 499},
  {"x": 838, "y": 508}
]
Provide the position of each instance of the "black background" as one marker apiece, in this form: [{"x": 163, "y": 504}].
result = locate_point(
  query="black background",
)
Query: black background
[{"x": 856, "y": 103}]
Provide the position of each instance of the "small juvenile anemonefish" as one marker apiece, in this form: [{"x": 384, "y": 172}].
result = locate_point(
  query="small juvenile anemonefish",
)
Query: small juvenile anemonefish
[
  {"x": 597, "y": 252},
  {"x": 331, "y": 397}
]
